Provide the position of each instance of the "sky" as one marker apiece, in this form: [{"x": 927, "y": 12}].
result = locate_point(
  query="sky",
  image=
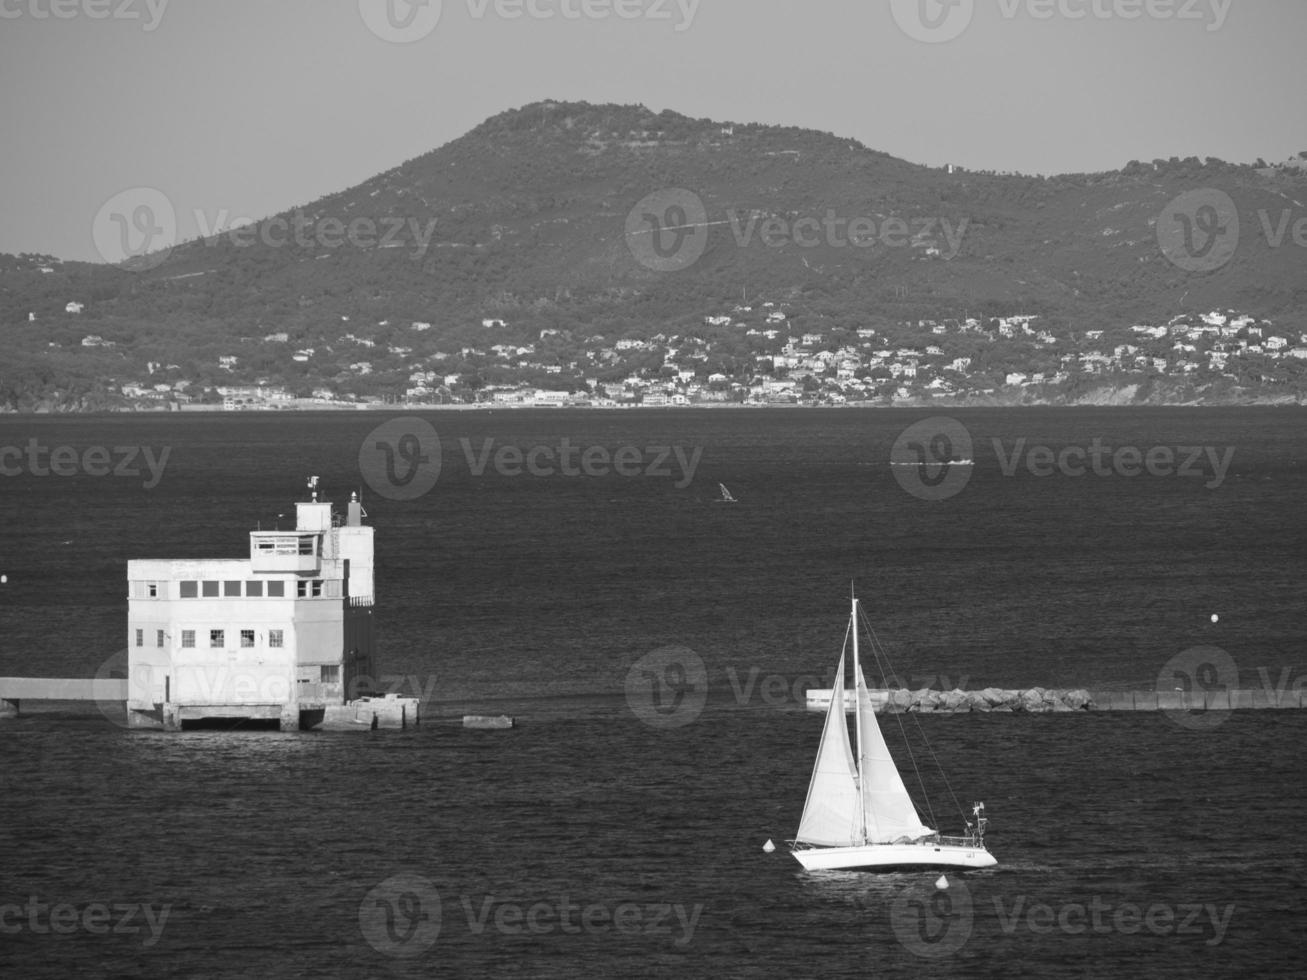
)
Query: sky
[{"x": 246, "y": 108}]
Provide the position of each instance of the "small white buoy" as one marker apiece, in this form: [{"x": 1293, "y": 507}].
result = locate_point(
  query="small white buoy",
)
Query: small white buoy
[
  {"x": 4, "y": 579},
  {"x": 768, "y": 847},
  {"x": 1215, "y": 618},
  {"x": 941, "y": 882}
]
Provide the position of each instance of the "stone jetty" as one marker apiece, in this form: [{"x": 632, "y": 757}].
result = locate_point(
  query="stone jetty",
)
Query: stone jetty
[{"x": 1038, "y": 700}]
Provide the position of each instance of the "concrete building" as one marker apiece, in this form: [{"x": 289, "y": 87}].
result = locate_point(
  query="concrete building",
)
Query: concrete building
[{"x": 283, "y": 634}]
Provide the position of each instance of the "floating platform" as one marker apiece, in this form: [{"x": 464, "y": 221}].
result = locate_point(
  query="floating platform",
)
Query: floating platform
[
  {"x": 487, "y": 721},
  {"x": 1038, "y": 700},
  {"x": 364, "y": 714}
]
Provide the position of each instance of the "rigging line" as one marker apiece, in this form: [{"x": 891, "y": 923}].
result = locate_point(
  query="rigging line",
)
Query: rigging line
[
  {"x": 879, "y": 651},
  {"x": 929, "y": 748}
]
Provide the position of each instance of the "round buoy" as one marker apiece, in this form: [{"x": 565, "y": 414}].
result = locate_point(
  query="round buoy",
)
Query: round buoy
[
  {"x": 4, "y": 579},
  {"x": 941, "y": 882},
  {"x": 1215, "y": 618},
  {"x": 768, "y": 847}
]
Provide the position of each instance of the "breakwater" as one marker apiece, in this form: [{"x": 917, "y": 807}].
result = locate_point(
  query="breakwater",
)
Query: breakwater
[{"x": 1038, "y": 700}]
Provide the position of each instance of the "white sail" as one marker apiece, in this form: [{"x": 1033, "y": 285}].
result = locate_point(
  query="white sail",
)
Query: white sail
[
  {"x": 831, "y": 812},
  {"x": 890, "y": 812}
]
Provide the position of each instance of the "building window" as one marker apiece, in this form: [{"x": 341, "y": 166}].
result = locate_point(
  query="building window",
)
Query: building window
[
  {"x": 152, "y": 590},
  {"x": 274, "y": 638},
  {"x": 301, "y": 589},
  {"x": 254, "y": 588},
  {"x": 331, "y": 674},
  {"x": 158, "y": 638},
  {"x": 188, "y": 638},
  {"x": 306, "y": 546},
  {"x": 247, "y": 638},
  {"x": 215, "y": 638},
  {"x": 190, "y": 590},
  {"x": 276, "y": 589},
  {"x": 317, "y": 587},
  {"x": 230, "y": 588},
  {"x": 140, "y": 638},
  {"x": 209, "y": 590}
]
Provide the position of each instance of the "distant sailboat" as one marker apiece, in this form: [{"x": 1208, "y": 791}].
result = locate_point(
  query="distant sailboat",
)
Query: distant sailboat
[
  {"x": 726, "y": 497},
  {"x": 858, "y": 814}
]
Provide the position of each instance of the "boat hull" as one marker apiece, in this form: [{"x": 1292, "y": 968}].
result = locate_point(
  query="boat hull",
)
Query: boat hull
[{"x": 893, "y": 857}]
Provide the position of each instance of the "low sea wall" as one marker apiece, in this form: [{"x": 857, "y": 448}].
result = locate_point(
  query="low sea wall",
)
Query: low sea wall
[{"x": 1039, "y": 700}]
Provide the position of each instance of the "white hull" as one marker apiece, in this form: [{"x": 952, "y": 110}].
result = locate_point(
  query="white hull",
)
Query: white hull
[{"x": 885, "y": 857}]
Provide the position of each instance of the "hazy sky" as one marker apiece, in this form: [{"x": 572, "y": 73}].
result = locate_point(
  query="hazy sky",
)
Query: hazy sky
[{"x": 255, "y": 106}]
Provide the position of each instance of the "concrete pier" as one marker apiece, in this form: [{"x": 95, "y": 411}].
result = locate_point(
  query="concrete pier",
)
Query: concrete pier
[
  {"x": 15, "y": 690},
  {"x": 1038, "y": 700}
]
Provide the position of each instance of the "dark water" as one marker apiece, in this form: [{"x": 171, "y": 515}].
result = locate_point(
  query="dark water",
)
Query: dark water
[{"x": 1128, "y": 845}]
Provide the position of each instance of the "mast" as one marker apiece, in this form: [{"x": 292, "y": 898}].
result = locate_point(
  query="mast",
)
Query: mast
[{"x": 857, "y": 724}]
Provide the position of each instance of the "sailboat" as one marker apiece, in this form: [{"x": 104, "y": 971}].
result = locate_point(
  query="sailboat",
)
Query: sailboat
[
  {"x": 726, "y": 497},
  {"x": 858, "y": 814}
]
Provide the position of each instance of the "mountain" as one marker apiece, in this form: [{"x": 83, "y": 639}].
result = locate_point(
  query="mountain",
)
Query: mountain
[{"x": 528, "y": 219}]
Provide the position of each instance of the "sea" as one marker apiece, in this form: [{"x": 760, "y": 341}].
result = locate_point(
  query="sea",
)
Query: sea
[{"x": 580, "y": 572}]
